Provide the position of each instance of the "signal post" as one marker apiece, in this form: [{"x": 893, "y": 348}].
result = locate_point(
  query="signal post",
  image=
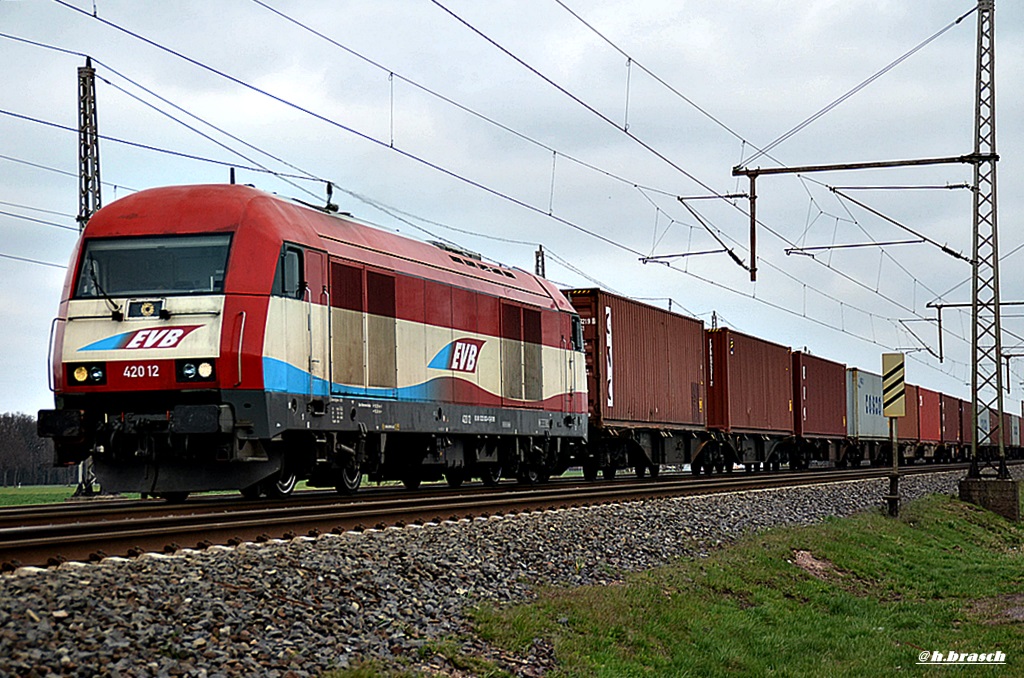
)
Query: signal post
[{"x": 894, "y": 405}]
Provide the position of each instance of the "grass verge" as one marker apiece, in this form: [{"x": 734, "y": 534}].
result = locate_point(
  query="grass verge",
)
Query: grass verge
[
  {"x": 35, "y": 494},
  {"x": 849, "y": 597}
]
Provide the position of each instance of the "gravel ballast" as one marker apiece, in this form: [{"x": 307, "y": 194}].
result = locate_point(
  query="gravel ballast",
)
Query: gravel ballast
[{"x": 301, "y": 607}]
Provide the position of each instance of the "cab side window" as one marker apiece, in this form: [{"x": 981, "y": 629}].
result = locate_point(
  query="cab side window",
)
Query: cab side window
[
  {"x": 577, "y": 333},
  {"x": 288, "y": 280}
]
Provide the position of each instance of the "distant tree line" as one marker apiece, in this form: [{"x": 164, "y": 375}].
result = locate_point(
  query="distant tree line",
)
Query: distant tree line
[{"x": 25, "y": 458}]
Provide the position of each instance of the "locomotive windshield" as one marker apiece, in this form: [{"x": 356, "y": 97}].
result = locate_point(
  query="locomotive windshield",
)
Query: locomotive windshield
[{"x": 125, "y": 267}]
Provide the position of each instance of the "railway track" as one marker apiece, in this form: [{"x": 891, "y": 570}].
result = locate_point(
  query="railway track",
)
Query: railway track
[{"x": 50, "y": 535}]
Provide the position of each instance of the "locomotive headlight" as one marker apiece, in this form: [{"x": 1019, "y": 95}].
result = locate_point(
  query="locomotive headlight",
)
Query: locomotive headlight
[
  {"x": 192, "y": 370},
  {"x": 95, "y": 373},
  {"x": 80, "y": 374}
]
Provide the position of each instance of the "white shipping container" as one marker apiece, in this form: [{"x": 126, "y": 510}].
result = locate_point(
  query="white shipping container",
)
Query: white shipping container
[
  {"x": 1014, "y": 430},
  {"x": 864, "y": 418},
  {"x": 984, "y": 427}
]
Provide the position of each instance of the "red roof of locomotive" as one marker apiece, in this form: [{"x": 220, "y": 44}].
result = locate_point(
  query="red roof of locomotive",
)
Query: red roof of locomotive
[{"x": 260, "y": 221}]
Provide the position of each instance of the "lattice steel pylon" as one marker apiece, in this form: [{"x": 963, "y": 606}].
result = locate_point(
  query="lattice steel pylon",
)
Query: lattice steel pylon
[
  {"x": 89, "y": 198},
  {"x": 986, "y": 330}
]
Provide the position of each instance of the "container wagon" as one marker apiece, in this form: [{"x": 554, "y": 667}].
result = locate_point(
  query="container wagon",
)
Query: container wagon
[
  {"x": 645, "y": 381},
  {"x": 867, "y": 428},
  {"x": 819, "y": 408},
  {"x": 908, "y": 434},
  {"x": 929, "y": 426},
  {"x": 750, "y": 404},
  {"x": 951, "y": 438}
]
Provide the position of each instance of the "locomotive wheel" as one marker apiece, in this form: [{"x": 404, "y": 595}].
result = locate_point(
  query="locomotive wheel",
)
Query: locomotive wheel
[
  {"x": 608, "y": 473},
  {"x": 455, "y": 478},
  {"x": 252, "y": 492},
  {"x": 411, "y": 482},
  {"x": 174, "y": 497},
  {"x": 280, "y": 485},
  {"x": 491, "y": 475},
  {"x": 349, "y": 480}
]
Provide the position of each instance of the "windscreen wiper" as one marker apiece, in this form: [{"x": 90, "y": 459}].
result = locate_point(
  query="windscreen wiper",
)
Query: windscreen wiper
[{"x": 115, "y": 311}]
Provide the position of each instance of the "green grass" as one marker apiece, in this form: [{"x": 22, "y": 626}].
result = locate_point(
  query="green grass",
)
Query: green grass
[
  {"x": 35, "y": 494},
  {"x": 942, "y": 577}
]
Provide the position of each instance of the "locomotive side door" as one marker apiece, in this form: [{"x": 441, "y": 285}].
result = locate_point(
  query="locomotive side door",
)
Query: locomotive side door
[{"x": 318, "y": 304}]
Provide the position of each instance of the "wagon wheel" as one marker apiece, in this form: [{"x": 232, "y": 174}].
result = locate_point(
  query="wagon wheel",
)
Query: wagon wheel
[
  {"x": 655, "y": 469},
  {"x": 412, "y": 482},
  {"x": 590, "y": 469},
  {"x": 490, "y": 475},
  {"x": 174, "y": 497},
  {"x": 281, "y": 484},
  {"x": 608, "y": 473},
  {"x": 641, "y": 471},
  {"x": 349, "y": 480},
  {"x": 528, "y": 476},
  {"x": 455, "y": 478}
]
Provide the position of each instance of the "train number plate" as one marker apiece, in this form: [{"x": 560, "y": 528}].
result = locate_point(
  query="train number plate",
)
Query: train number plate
[{"x": 143, "y": 371}]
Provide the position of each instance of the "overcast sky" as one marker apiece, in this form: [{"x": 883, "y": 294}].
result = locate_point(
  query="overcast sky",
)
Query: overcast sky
[{"x": 537, "y": 119}]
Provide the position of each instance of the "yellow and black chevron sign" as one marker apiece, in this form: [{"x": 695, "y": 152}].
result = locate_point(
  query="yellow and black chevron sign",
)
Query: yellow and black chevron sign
[{"x": 894, "y": 392}]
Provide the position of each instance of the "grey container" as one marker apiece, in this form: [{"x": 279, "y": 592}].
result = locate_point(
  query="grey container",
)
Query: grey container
[{"x": 864, "y": 418}]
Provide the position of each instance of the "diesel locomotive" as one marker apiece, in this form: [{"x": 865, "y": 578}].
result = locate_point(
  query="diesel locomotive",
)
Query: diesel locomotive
[{"x": 218, "y": 337}]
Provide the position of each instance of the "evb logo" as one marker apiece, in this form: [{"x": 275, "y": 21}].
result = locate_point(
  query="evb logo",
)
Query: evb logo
[{"x": 462, "y": 355}]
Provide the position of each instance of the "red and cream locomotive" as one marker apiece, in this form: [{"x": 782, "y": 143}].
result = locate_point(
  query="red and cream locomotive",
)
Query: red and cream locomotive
[{"x": 218, "y": 337}]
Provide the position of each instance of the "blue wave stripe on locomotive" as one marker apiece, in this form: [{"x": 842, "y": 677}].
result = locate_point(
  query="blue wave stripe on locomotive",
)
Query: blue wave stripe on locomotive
[{"x": 282, "y": 377}]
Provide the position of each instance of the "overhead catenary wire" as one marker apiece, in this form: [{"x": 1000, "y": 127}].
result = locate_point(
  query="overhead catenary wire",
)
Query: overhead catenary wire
[
  {"x": 652, "y": 150},
  {"x": 860, "y": 86},
  {"x": 393, "y": 75}
]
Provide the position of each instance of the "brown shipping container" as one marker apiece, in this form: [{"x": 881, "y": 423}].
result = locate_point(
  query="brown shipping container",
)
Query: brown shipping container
[
  {"x": 1007, "y": 431},
  {"x": 906, "y": 426},
  {"x": 819, "y": 397},
  {"x": 929, "y": 415},
  {"x": 645, "y": 365},
  {"x": 951, "y": 431},
  {"x": 750, "y": 388},
  {"x": 966, "y": 425}
]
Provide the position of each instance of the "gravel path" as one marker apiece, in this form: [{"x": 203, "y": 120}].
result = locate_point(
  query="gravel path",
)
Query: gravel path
[{"x": 301, "y": 607}]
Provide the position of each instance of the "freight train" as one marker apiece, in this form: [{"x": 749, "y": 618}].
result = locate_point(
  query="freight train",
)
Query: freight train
[{"x": 217, "y": 337}]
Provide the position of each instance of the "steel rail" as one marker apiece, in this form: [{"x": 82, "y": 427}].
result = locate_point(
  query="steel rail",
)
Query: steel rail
[{"x": 95, "y": 538}]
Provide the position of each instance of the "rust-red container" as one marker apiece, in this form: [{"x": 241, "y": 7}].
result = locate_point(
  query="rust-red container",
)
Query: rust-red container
[
  {"x": 951, "y": 429},
  {"x": 819, "y": 397},
  {"x": 906, "y": 427},
  {"x": 750, "y": 385},
  {"x": 645, "y": 365},
  {"x": 929, "y": 415},
  {"x": 967, "y": 428},
  {"x": 1007, "y": 430}
]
